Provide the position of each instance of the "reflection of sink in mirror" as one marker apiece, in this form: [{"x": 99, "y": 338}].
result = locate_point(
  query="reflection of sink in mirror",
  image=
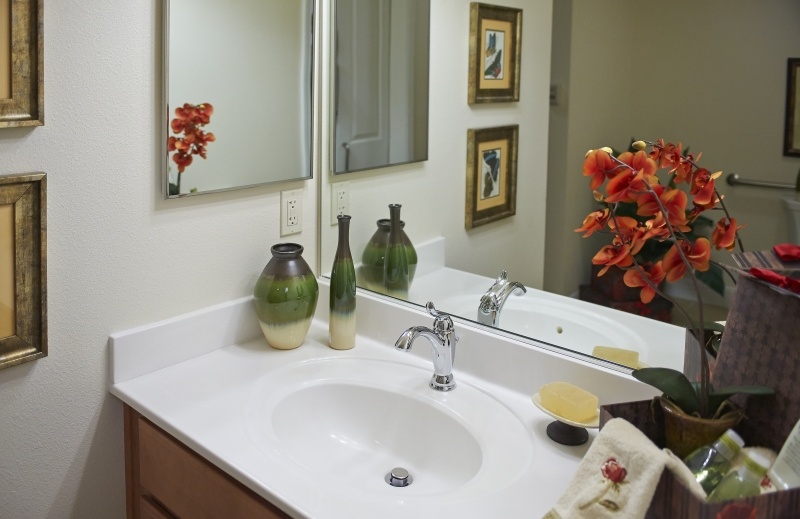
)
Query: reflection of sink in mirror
[
  {"x": 554, "y": 319},
  {"x": 349, "y": 419}
]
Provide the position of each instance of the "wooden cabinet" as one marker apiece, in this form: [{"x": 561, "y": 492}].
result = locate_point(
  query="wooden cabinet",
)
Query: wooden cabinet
[{"x": 167, "y": 480}]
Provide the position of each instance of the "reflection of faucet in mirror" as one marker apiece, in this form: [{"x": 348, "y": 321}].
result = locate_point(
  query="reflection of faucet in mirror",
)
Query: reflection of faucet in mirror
[
  {"x": 443, "y": 341},
  {"x": 494, "y": 299},
  {"x": 544, "y": 252}
]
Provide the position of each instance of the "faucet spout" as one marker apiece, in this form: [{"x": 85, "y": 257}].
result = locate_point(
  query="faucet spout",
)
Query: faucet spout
[
  {"x": 493, "y": 300},
  {"x": 443, "y": 343}
]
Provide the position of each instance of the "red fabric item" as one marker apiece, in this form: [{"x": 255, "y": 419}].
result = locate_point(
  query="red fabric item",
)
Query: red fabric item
[
  {"x": 770, "y": 276},
  {"x": 787, "y": 251}
]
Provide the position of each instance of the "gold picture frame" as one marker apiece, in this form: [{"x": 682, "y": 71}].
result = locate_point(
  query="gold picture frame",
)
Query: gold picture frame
[
  {"x": 495, "y": 44},
  {"x": 491, "y": 175},
  {"x": 21, "y": 63},
  {"x": 791, "y": 132},
  {"x": 23, "y": 268}
]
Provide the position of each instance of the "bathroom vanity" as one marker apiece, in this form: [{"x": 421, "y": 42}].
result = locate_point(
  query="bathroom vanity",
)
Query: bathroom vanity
[
  {"x": 218, "y": 420},
  {"x": 166, "y": 479}
]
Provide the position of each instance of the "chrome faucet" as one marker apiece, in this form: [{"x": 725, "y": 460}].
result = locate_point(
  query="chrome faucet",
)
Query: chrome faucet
[
  {"x": 494, "y": 299},
  {"x": 443, "y": 341}
]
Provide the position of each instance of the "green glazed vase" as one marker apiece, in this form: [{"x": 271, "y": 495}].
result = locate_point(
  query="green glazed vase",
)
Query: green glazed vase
[
  {"x": 342, "y": 321},
  {"x": 374, "y": 257},
  {"x": 286, "y": 297}
]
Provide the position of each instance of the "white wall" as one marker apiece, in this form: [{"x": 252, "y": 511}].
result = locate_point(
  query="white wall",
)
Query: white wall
[
  {"x": 118, "y": 255},
  {"x": 710, "y": 74},
  {"x": 433, "y": 192}
]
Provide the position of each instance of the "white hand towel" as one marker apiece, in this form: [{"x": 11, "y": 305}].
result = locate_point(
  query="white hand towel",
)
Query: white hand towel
[{"x": 618, "y": 476}]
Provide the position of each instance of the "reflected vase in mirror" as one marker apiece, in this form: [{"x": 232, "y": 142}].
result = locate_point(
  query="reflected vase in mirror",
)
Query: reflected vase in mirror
[
  {"x": 285, "y": 296},
  {"x": 373, "y": 260},
  {"x": 342, "y": 321}
]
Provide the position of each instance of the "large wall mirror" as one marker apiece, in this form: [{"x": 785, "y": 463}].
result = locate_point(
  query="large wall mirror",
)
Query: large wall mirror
[
  {"x": 381, "y": 92},
  {"x": 723, "y": 94},
  {"x": 252, "y": 62}
]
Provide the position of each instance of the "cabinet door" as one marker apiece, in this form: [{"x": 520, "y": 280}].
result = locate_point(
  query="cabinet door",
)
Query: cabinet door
[
  {"x": 150, "y": 510},
  {"x": 166, "y": 479}
]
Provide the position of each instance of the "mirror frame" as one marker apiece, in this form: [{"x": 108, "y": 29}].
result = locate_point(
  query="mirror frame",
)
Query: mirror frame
[
  {"x": 311, "y": 53},
  {"x": 791, "y": 140}
]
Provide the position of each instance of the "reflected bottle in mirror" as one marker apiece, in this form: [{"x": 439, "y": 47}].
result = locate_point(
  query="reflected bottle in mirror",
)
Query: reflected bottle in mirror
[
  {"x": 371, "y": 271},
  {"x": 342, "y": 321},
  {"x": 395, "y": 265}
]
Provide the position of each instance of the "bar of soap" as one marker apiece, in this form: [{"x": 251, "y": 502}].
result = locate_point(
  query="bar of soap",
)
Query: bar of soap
[
  {"x": 619, "y": 355},
  {"x": 569, "y": 401}
]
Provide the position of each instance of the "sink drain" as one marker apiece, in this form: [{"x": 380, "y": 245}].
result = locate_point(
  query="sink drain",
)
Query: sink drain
[{"x": 398, "y": 477}]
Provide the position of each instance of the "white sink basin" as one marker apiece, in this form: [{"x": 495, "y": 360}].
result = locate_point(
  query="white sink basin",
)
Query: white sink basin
[
  {"x": 555, "y": 323},
  {"x": 349, "y": 421}
]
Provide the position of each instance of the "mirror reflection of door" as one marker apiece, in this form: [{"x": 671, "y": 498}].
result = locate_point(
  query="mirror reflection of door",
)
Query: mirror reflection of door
[
  {"x": 381, "y": 83},
  {"x": 7, "y": 260}
]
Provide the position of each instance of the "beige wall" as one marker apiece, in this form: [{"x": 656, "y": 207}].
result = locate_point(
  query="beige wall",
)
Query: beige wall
[
  {"x": 710, "y": 74},
  {"x": 118, "y": 255}
]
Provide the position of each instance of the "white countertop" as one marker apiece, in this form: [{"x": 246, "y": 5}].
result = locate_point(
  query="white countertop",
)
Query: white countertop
[{"x": 205, "y": 396}]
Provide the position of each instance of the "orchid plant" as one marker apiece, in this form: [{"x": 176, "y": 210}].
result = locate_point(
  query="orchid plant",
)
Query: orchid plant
[
  {"x": 190, "y": 138},
  {"x": 663, "y": 215}
]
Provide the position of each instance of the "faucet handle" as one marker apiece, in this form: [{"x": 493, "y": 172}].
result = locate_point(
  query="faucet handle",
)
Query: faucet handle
[{"x": 442, "y": 323}]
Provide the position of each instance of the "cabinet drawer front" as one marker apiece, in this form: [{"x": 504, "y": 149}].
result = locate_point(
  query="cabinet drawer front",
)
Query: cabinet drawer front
[{"x": 191, "y": 487}]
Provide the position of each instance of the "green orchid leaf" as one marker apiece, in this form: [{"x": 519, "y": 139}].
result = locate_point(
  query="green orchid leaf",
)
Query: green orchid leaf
[
  {"x": 713, "y": 278},
  {"x": 673, "y": 384}
]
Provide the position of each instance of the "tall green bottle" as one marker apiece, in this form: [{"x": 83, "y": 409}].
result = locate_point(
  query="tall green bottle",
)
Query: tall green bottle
[
  {"x": 395, "y": 265},
  {"x": 342, "y": 322}
]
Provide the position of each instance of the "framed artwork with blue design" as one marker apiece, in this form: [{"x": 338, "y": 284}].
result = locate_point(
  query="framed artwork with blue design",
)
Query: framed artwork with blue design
[
  {"x": 495, "y": 42},
  {"x": 491, "y": 175}
]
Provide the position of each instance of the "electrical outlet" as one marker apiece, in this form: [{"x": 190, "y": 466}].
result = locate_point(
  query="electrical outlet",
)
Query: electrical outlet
[
  {"x": 291, "y": 212},
  {"x": 340, "y": 200}
]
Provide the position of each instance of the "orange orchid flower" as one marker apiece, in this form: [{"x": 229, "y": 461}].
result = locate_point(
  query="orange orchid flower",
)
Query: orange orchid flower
[
  {"x": 674, "y": 201},
  {"x": 698, "y": 254},
  {"x": 598, "y": 164},
  {"x": 617, "y": 254},
  {"x": 634, "y": 278},
  {"x": 639, "y": 161},
  {"x": 703, "y": 188},
  {"x": 593, "y": 222},
  {"x": 189, "y": 120},
  {"x": 724, "y": 234},
  {"x": 668, "y": 156}
]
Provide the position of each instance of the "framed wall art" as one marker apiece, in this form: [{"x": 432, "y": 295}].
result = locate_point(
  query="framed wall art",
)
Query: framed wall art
[
  {"x": 791, "y": 132},
  {"x": 491, "y": 175},
  {"x": 21, "y": 63},
  {"x": 495, "y": 43},
  {"x": 23, "y": 268}
]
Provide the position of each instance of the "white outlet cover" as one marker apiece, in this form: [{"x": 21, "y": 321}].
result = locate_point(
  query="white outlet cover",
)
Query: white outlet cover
[{"x": 292, "y": 196}]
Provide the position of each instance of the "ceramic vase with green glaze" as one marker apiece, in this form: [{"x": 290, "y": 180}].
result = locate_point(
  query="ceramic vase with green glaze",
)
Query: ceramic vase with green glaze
[
  {"x": 286, "y": 296},
  {"x": 374, "y": 256},
  {"x": 395, "y": 264},
  {"x": 342, "y": 321}
]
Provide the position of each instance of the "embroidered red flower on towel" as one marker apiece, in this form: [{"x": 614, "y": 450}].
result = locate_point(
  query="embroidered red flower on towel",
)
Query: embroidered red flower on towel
[
  {"x": 614, "y": 475},
  {"x": 737, "y": 511},
  {"x": 614, "y": 472}
]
